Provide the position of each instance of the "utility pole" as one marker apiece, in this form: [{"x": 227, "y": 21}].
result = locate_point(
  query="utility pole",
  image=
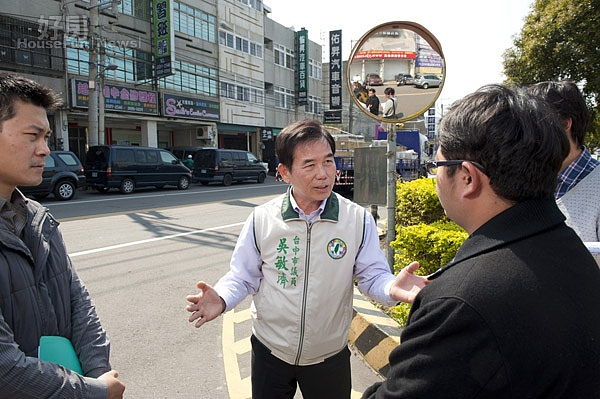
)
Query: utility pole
[
  {"x": 391, "y": 193},
  {"x": 101, "y": 139},
  {"x": 93, "y": 62}
]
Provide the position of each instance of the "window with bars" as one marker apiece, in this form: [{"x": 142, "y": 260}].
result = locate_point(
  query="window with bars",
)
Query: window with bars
[
  {"x": 241, "y": 44},
  {"x": 283, "y": 56},
  {"x": 314, "y": 105},
  {"x": 194, "y": 22},
  {"x": 242, "y": 93},
  {"x": 284, "y": 98},
  {"x": 133, "y": 65},
  {"x": 137, "y": 8},
  {"x": 192, "y": 78},
  {"x": 314, "y": 69},
  {"x": 22, "y": 43}
]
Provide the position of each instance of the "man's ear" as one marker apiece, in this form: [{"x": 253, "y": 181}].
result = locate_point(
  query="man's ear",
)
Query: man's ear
[
  {"x": 567, "y": 123},
  {"x": 472, "y": 179},
  {"x": 283, "y": 172}
]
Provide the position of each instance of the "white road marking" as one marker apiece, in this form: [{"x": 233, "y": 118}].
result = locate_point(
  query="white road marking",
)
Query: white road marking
[{"x": 168, "y": 237}]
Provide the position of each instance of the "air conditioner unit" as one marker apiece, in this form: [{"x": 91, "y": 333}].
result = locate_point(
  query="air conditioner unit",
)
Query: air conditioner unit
[{"x": 202, "y": 132}]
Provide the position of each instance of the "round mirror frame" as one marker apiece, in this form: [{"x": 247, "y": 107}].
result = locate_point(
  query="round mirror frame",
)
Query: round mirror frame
[{"x": 429, "y": 38}]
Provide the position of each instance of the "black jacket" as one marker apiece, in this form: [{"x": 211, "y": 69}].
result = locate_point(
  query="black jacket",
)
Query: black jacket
[
  {"x": 373, "y": 101},
  {"x": 514, "y": 315}
]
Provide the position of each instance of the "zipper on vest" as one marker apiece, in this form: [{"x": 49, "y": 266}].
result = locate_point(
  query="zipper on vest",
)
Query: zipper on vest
[{"x": 304, "y": 294}]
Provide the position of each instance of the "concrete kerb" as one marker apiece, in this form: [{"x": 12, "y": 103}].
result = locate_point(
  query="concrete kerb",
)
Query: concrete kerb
[{"x": 373, "y": 333}]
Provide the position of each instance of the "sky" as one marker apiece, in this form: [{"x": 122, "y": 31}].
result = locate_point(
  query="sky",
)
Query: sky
[{"x": 473, "y": 33}]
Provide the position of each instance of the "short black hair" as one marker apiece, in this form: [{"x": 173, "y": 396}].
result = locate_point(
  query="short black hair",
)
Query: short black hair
[
  {"x": 516, "y": 136},
  {"x": 299, "y": 132},
  {"x": 17, "y": 88},
  {"x": 390, "y": 91},
  {"x": 567, "y": 99}
]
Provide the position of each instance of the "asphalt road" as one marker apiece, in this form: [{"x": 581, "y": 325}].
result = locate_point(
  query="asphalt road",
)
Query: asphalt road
[{"x": 140, "y": 255}]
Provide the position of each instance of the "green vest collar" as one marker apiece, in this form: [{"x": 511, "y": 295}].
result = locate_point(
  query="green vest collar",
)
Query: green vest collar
[{"x": 331, "y": 211}]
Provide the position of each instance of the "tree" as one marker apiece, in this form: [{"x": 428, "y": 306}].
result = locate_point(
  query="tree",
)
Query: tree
[{"x": 560, "y": 40}]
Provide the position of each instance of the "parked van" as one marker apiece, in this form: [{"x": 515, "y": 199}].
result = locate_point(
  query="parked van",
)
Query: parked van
[
  {"x": 128, "y": 167},
  {"x": 226, "y": 166},
  {"x": 182, "y": 151}
]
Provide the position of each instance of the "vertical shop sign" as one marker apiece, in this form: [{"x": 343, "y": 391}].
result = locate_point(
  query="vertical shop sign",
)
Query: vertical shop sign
[
  {"x": 164, "y": 39},
  {"x": 431, "y": 123},
  {"x": 335, "y": 69},
  {"x": 302, "y": 45}
]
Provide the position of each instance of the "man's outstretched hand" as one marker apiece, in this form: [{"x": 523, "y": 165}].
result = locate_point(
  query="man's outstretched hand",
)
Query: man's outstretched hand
[
  {"x": 407, "y": 284},
  {"x": 205, "y": 306}
]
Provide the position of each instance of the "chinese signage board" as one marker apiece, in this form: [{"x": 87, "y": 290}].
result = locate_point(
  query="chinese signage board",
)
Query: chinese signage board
[
  {"x": 193, "y": 108},
  {"x": 302, "y": 49},
  {"x": 117, "y": 98},
  {"x": 163, "y": 37},
  {"x": 335, "y": 69},
  {"x": 431, "y": 123},
  {"x": 384, "y": 54},
  {"x": 332, "y": 117},
  {"x": 427, "y": 57}
]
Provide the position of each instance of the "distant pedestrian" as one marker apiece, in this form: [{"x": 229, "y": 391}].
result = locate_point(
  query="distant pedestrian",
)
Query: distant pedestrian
[
  {"x": 373, "y": 102},
  {"x": 188, "y": 162},
  {"x": 389, "y": 107}
]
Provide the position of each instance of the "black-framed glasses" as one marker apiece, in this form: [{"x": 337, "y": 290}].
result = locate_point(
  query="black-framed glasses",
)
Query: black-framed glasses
[{"x": 432, "y": 166}]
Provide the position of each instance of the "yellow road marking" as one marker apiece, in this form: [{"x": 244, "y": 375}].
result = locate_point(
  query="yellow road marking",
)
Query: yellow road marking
[{"x": 239, "y": 387}]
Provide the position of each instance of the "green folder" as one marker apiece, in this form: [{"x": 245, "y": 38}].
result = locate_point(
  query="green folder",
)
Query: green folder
[{"x": 59, "y": 350}]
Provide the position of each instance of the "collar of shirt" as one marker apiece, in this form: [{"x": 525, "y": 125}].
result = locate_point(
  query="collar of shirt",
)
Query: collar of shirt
[
  {"x": 13, "y": 214},
  {"x": 575, "y": 172},
  {"x": 313, "y": 215}
]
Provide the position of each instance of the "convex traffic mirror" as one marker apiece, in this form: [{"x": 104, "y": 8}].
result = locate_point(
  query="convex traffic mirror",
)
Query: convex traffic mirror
[{"x": 401, "y": 56}]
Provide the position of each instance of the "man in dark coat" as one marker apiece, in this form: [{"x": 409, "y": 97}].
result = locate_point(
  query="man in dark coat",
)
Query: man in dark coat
[
  {"x": 40, "y": 292},
  {"x": 515, "y": 314},
  {"x": 373, "y": 102}
]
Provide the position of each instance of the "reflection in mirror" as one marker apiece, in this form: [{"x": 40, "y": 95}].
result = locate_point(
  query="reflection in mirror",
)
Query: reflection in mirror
[{"x": 404, "y": 64}]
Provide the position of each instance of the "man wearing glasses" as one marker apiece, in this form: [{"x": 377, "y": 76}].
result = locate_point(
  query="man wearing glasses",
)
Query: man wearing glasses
[{"x": 514, "y": 314}]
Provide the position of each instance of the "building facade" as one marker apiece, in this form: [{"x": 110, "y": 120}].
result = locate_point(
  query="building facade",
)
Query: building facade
[{"x": 165, "y": 73}]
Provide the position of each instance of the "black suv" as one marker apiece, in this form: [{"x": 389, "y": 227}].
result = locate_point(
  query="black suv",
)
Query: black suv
[{"x": 63, "y": 174}]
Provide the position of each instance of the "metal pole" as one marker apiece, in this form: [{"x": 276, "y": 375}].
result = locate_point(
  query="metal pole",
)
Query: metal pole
[
  {"x": 391, "y": 193},
  {"x": 101, "y": 130},
  {"x": 93, "y": 61}
]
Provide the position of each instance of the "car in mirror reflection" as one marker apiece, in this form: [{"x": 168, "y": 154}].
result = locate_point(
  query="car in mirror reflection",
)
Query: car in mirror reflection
[{"x": 427, "y": 81}]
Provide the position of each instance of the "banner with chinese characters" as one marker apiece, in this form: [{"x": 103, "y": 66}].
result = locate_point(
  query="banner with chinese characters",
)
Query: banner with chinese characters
[
  {"x": 186, "y": 107},
  {"x": 335, "y": 69},
  {"x": 302, "y": 47},
  {"x": 164, "y": 38},
  {"x": 117, "y": 98}
]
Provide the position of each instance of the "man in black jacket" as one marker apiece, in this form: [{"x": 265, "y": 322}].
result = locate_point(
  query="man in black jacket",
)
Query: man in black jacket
[
  {"x": 373, "y": 102},
  {"x": 515, "y": 314}
]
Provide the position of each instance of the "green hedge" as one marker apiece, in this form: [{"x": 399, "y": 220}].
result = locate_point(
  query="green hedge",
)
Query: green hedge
[
  {"x": 423, "y": 233},
  {"x": 417, "y": 202}
]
